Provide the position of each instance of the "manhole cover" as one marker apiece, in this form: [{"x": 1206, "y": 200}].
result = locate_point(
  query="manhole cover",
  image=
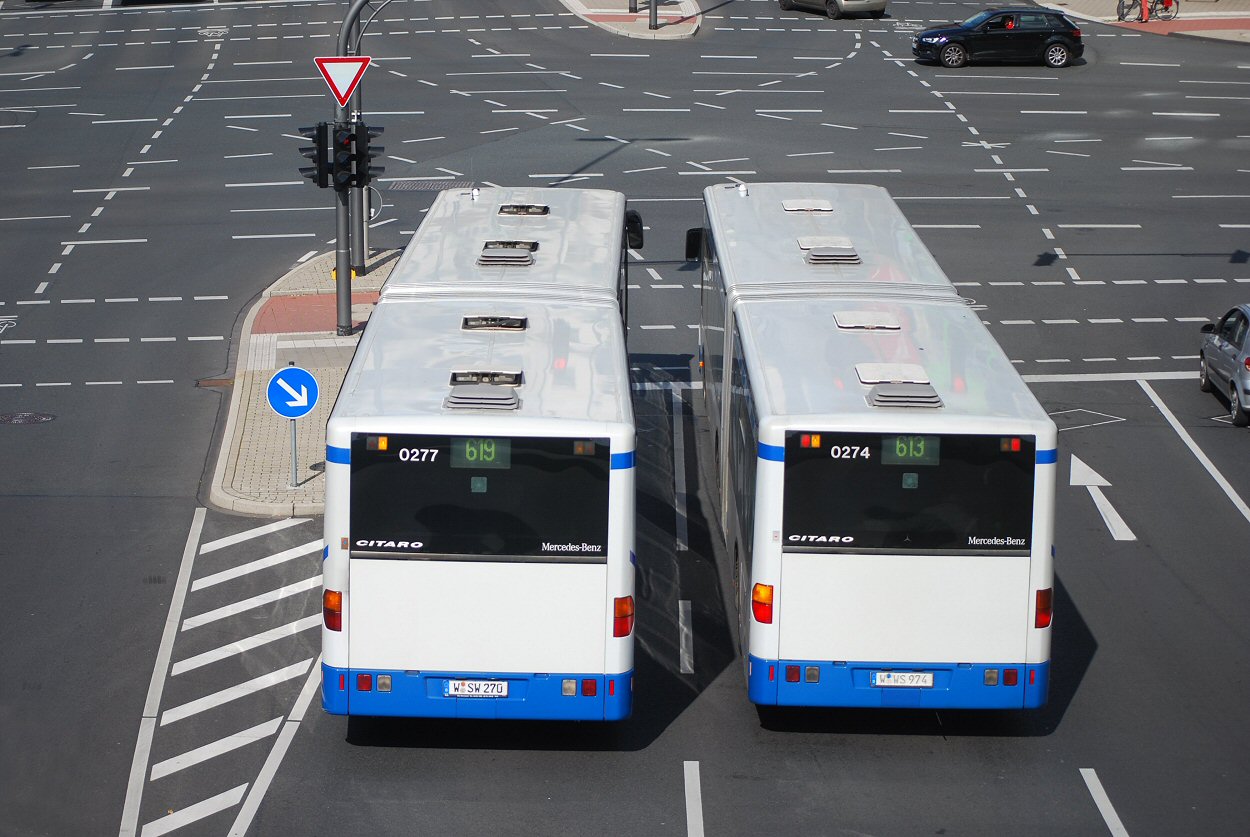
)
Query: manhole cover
[
  {"x": 25, "y": 418},
  {"x": 428, "y": 185}
]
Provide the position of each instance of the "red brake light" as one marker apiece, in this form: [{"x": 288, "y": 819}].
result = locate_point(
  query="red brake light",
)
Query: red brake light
[
  {"x": 590, "y": 688},
  {"x": 762, "y": 603},
  {"x": 332, "y": 609},
  {"x": 623, "y": 616},
  {"x": 364, "y": 682},
  {"x": 1076, "y": 33},
  {"x": 1045, "y": 600},
  {"x": 792, "y": 674},
  {"x": 1011, "y": 676}
]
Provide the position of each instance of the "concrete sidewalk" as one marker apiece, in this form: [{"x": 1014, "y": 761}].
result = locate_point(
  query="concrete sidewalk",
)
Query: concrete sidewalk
[
  {"x": 293, "y": 322},
  {"x": 675, "y": 18}
]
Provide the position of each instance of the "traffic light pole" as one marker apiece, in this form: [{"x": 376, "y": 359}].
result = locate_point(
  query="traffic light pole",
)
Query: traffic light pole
[
  {"x": 342, "y": 211},
  {"x": 358, "y": 215}
]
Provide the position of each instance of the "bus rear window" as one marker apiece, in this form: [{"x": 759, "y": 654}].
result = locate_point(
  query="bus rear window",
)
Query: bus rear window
[
  {"x": 901, "y": 492},
  {"x": 489, "y": 496}
]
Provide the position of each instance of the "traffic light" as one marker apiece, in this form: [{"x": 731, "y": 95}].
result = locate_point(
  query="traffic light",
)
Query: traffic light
[
  {"x": 365, "y": 150},
  {"x": 318, "y": 152},
  {"x": 343, "y": 156}
]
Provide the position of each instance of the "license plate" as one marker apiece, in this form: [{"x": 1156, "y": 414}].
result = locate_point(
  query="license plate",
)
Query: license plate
[
  {"x": 912, "y": 679},
  {"x": 476, "y": 688}
]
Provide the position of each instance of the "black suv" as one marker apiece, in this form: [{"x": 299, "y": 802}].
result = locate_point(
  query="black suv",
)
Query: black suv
[{"x": 1024, "y": 34}]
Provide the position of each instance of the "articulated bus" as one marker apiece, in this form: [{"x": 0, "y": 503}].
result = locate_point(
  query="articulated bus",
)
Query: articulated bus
[
  {"x": 479, "y": 513},
  {"x": 887, "y": 478}
]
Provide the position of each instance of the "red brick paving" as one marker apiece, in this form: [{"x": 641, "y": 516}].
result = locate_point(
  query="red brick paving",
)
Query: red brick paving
[{"x": 318, "y": 312}]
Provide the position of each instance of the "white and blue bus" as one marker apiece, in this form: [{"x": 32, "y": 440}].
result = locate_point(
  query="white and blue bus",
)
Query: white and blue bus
[
  {"x": 887, "y": 478},
  {"x": 480, "y": 472}
]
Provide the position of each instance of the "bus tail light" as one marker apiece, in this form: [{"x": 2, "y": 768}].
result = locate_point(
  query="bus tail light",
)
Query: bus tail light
[
  {"x": 332, "y": 609},
  {"x": 762, "y": 603},
  {"x": 1045, "y": 599},
  {"x": 623, "y": 616}
]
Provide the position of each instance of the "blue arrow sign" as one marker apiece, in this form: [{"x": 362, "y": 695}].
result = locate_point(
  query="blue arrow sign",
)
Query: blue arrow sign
[{"x": 292, "y": 392}]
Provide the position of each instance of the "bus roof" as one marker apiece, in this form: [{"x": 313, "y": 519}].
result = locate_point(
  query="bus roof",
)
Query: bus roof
[
  {"x": 846, "y": 238},
  {"x": 523, "y": 240},
  {"x": 570, "y": 358},
  {"x": 826, "y": 357}
]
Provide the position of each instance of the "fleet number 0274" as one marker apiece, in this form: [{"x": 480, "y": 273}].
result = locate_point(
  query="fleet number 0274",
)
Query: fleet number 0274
[{"x": 850, "y": 452}]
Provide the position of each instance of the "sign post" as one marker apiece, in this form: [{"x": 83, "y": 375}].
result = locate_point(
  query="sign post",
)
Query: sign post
[{"x": 292, "y": 394}]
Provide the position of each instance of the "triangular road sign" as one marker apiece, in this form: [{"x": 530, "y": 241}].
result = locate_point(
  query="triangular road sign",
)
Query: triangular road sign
[{"x": 343, "y": 74}]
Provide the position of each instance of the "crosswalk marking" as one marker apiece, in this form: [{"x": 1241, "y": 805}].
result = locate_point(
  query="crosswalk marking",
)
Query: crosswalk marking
[
  {"x": 222, "y": 543},
  {"x": 198, "y": 811},
  {"x": 256, "y": 684},
  {"x": 217, "y": 748},
  {"x": 259, "y": 564},
  {"x": 242, "y": 645}
]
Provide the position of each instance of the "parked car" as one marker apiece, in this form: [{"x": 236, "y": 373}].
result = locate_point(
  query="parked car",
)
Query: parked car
[
  {"x": 1224, "y": 362},
  {"x": 836, "y": 9},
  {"x": 1019, "y": 34}
]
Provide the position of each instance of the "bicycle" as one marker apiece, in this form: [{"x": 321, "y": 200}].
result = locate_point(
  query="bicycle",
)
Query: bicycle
[{"x": 1130, "y": 10}]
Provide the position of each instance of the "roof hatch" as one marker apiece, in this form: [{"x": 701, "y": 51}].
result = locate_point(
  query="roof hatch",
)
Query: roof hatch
[
  {"x": 829, "y": 249},
  {"x": 866, "y": 321},
  {"x": 806, "y": 205},
  {"x": 507, "y": 253},
  {"x": 481, "y": 397},
  {"x": 494, "y": 322},
  {"x": 525, "y": 209},
  {"x": 493, "y": 378}
]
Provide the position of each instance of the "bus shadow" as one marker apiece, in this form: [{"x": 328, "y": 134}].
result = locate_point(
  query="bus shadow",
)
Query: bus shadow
[
  {"x": 665, "y": 577},
  {"x": 1072, "y": 650}
]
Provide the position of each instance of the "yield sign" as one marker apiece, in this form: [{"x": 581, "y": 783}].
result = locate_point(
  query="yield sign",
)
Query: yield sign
[{"x": 343, "y": 74}]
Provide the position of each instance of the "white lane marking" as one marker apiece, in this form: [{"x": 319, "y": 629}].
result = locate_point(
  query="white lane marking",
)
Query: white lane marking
[
  {"x": 216, "y": 748},
  {"x": 1109, "y": 816},
  {"x": 147, "y": 724},
  {"x": 221, "y": 543},
  {"x": 253, "y": 602},
  {"x": 694, "y": 800},
  {"x": 270, "y": 768},
  {"x": 257, "y": 565},
  {"x": 196, "y": 812},
  {"x": 1224, "y": 485},
  {"x": 1083, "y": 475},
  {"x": 679, "y": 471},
  {"x": 685, "y": 635},
  {"x": 242, "y": 645},
  {"x": 256, "y": 684}
]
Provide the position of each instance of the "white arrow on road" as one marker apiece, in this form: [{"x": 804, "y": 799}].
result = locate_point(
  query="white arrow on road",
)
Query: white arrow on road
[
  {"x": 301, "y": 397},
  {"x": 1084, "y": 475}
]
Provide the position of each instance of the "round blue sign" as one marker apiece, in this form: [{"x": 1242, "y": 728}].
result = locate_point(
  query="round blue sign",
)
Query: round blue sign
[{"x": 292, "y": 392}]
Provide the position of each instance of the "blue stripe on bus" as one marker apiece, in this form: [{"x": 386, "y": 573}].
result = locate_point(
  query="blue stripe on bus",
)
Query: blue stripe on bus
[
  {"x": 530, "y": 696},
  {"x": 622, "y": 460},
  {"x": 774, "y": 453},
  {"x": 955, "y": 686},
  {"x": 339, "y": 456},
  {"x": 1047, "y": 457}
]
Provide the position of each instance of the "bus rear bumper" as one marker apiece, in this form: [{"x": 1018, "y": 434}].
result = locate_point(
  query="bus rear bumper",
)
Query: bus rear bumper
[
  {"x": 955, "y": 685},
  {"x": 597, "y": 697}
]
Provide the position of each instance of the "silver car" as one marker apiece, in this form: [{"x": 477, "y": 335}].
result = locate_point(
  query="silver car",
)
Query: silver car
[
  {"x": 1224, "y": 362},
  {"x": 836, "y": 9}
]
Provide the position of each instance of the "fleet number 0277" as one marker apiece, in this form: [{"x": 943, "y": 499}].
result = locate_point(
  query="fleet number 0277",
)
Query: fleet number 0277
[{"x": 417, "y": 454}]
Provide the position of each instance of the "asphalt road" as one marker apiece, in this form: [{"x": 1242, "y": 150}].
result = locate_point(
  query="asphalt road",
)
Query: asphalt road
[{"x": 1096, "y": 214}]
